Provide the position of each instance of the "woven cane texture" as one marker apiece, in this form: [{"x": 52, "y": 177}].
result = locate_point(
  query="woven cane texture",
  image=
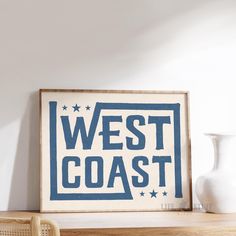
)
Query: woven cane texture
[
  {"x": 11, "y": 229},
  {"x": 19, "y": 227},
  {"x": 46, "y": 230}
]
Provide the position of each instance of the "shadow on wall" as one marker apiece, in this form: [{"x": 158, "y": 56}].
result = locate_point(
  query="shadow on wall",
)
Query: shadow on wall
[
  {"x": 83, "y": 43},
  {"x": 75, "y": 44},
  {"x": 24, "y": 192}
]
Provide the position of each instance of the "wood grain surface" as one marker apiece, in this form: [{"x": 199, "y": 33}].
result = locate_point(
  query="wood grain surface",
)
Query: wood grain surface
[
  {"x": 207, "y": 231},
  {"x": 138, "y": 223}
]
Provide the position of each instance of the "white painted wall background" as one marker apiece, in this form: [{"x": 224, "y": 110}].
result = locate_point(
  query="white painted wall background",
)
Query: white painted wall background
[{"x": 110, "y": 44}]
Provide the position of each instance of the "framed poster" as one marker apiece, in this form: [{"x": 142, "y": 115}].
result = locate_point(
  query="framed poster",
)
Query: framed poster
[{"x": 114, "y": 151}]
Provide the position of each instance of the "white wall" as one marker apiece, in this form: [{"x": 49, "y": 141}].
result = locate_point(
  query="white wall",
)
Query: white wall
[{"x": 110, "y": 44}]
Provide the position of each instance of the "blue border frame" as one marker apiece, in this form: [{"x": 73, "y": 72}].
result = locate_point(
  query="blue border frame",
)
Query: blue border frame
[{"x": 54, "y": 195}]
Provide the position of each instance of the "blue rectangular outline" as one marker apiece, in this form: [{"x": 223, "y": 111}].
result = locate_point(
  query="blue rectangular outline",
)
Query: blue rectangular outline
[{"x": 54, "y": 195}]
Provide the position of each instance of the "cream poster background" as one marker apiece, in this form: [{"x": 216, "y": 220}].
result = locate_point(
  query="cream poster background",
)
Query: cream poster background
[{"x": 128, "y": 174}]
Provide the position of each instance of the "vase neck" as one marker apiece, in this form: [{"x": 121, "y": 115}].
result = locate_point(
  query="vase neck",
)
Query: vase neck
[{"x": 224, "y": 151}]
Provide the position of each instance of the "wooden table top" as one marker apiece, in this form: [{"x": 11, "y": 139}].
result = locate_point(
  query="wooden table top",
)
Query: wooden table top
[{"x": 131, "y": 219}]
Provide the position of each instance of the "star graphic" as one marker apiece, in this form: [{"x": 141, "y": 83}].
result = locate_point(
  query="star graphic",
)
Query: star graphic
[
  {"x": 64, "y": 108},
  {"x": 142, "y": 194},
  {"x": 153, "y": 194},
  {"x": 76, "y": 107},
  {"x": 87, "y": 108},
  {"x": 164, "y": 193}
]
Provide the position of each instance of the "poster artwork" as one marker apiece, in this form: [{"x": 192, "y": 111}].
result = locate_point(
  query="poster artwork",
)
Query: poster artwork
[{"x": 114, "y": 151}]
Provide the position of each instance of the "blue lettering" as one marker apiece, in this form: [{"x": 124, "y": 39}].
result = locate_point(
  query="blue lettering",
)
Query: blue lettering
[
  {"x": 71, "y": 138},
  {"x": 118, "y": 170},
  {"x": 139, "y": 170},
  {"x": 88, "y": 171},
  {"x": 65, "y": 175},
  {"x": 159, "y": 121},
  {"x": 130, "y": 126},
  {"x": 161, "y": 160},
  {"x": 107, "y": 133}
]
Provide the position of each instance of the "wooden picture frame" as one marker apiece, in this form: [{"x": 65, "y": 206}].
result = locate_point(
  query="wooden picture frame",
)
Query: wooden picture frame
[{"x": 114, "y": 150}]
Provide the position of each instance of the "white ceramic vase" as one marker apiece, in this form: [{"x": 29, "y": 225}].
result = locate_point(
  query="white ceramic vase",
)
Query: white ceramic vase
[{"x": 216, "y": 190}]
